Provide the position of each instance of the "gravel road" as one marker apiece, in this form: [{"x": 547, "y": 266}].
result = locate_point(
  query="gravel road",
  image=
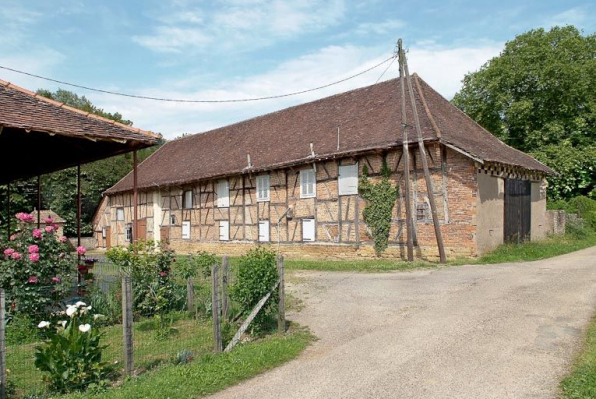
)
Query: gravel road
[{"x": 491, "y": 331}]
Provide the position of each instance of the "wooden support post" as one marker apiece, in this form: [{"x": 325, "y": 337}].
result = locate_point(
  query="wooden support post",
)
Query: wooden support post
[
  {"x": 357, "y": 219},
  {"x": 281, "y": 318},
  {"x": 8, "y": 216},
  {"x": 38, "y": 201},
  {"x": 135, "y": 227},
  {"x": 190, "y": 296},
  {"x": 215, "y": 309},
  {"x": 2, "y": 344},
  {"x": 224, "y": 288},
  {"x": 127, "y": 325},
  {"x": 427, "y": 178},
  {"x": 79, "y": 207},
  {"x": 406, "y": 155}
]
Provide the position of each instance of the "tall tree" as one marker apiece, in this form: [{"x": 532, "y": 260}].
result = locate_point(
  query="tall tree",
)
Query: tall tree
[
  {"x": 538, "y": 95},
  {"x": 59, "y": 189}
]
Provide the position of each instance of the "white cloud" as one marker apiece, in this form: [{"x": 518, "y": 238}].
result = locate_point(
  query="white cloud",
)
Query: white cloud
[
  {"x": 443, "y": 68},
  {"x": 574, "y": 16},
  {"x": 379, "y": 28},
  {"x": 239, "y": 24}
]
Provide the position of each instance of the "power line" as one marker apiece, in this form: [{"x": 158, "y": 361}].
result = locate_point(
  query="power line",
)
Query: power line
[
  {"x": 197, "y": 101},
  {"x": 386, "y": 69}
]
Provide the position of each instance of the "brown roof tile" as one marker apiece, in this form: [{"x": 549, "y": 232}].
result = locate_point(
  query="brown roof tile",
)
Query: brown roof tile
[{"x": 367, "y": 118}]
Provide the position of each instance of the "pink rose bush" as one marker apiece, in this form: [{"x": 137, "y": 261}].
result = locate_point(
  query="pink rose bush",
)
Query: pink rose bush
[
  {"x": 49, "y": 220},
  {"x": 35, "y": 268},
  {"x": 81, "y": 250}
]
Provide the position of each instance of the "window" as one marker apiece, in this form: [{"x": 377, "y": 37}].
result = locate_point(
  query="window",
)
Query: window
[
  {"x": 103, "y": 232},
  {"x": 422, "y": 212},
  {"x": 348, "y": 179},
  {"x": 129, "y": 232},
  {"x": 187, "y": 199},
  {"x": 120, "y": 214},
  {"x": 308, "y": 187},
  {"x": 172, "y": 219},
  {"x": 223, "y": 194},
  {"x": 186, "y": 230},
  {"x": 263, "y": 190},
  {"x": 308, "y": 229},
  {"x": 224, "y": 230},
  {"x": 264, "y": 231}
]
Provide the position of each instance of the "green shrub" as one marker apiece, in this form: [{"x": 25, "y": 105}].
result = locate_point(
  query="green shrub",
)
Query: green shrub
[
  {"x": 71, "y": 357},
  {"x": 107, "y": 303},
  {"x": 257, "y": 274},
  {"x": 585, "y": 208},
  {"x": 196, "y": 265}
]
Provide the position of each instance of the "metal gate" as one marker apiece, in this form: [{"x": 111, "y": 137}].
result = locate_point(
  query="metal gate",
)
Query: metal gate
[{"x": 517, "y": 210}]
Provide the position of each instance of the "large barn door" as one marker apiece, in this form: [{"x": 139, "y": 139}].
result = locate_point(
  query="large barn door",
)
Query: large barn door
[{"x": 517, "y": 210}]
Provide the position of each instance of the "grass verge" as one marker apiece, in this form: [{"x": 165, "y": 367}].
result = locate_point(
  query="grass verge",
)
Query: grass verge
[
  {"x": 581, "y": 382},
  {"x": 210, "y": 373}
]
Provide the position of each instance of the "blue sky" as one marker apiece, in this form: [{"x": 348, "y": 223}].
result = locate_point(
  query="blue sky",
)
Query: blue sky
[{"x": 248, "y": 48}]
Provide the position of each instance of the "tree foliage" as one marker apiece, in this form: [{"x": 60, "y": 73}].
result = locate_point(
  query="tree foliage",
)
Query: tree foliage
[
  {"x": 59, "y": 189},
  {"x": 539, "y": 96}
]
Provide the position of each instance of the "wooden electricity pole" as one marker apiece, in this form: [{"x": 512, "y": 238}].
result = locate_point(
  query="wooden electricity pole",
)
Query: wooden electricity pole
[
  {"x": 406, "y": 155},
  {"x": 429, "y": 184}
]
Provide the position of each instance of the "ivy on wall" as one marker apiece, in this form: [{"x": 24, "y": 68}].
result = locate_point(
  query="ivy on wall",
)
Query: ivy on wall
[{"x": 380, "y": 199}]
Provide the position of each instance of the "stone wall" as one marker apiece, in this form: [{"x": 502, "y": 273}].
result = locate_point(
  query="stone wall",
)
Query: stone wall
[{"x": 555, "y": 222}]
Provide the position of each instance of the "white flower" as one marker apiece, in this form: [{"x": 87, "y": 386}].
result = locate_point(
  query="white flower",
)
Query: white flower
[
  {"x": 71, "y": 310},
  {"x": 62, "y": 323},
  {"x": 43, "y": 324},
  {"x": 79, "y": 304},
  {"x": 88, "y": 307},
  {"x": 97, "y": 316},
  {"x": 85, "y": 327}
]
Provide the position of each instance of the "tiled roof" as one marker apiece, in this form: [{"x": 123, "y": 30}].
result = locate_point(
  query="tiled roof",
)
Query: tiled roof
[
  {"x": 367, "y": 118},
  {"x": 23, "y": 109},
  {"x": 48, "y": 213}
]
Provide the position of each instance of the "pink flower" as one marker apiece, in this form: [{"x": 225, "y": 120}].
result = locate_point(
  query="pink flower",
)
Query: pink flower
[
  {"x": 8, "y": 251},
  {"x": 13, "y": 237},
  {"x": 63, "y": 239},
  {"x": 49, "y": 220},
  {"x": 37, "y": 233},
  {"x": 33, "y": 249},
  {"x": 16, "y": 255},
  {"x": 81, "y": 250},
  {"x": 49, "y": 229},
  {"x": 61, "y": 255},
  {"x": 34, "y": 257},
  {"x": 55, "y": 226},
  {"x": 32, "y": 279},
  {"x": 56, "y": 280},
  {"x": 24, "y": 217},
  {"x": 163, "y": 274}
]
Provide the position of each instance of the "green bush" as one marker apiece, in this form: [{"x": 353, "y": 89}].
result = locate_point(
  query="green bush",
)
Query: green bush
[
  {"x": 257, "y": 274},
  {"x": 196, "y": 265},
  {"x": 71, "y": 357},
  {"x": 107, "y": 303},
  {"x": 585, "y": 208}
]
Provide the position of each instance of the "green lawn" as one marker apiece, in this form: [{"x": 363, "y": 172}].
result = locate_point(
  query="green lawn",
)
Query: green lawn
[{"x": 581, "y": 382}]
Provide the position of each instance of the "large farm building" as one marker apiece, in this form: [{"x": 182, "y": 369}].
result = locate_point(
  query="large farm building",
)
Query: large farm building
[{"x": 290, "y": 178}]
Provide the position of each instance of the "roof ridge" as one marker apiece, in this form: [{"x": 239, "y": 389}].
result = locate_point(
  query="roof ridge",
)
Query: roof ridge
[{"x": 78, "y": 111}]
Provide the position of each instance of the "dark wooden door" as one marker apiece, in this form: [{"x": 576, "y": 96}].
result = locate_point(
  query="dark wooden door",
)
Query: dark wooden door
[
  {"x": 108, "y": 237},
  {"x": 518, "y": 205}
]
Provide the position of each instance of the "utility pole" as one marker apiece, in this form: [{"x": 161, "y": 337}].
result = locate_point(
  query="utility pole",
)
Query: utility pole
[
  {"x": 421, "y": 148},
  {"x": 406, "y": 155}
]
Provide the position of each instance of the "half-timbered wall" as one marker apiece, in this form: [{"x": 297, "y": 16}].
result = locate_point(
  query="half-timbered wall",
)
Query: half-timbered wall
[{"x": 340, "y": 230}]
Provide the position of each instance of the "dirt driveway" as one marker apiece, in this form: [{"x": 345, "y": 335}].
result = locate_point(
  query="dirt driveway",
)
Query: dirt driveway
[{"x": 494, "y": 331}]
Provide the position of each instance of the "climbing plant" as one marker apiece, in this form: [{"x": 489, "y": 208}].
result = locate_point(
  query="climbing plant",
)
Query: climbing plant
[{"x": 380, "y": 199}]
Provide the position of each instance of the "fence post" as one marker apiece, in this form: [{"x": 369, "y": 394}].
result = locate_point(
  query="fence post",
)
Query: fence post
[
  {"x": 224, "y": 289},
  {"x": 215, "y": 309},
  {"x": 281, "y": 318},
  {"x": 190, "y": 295},
  {"x": 2, "y": 345},
  {"x": 127, "y": 325}
]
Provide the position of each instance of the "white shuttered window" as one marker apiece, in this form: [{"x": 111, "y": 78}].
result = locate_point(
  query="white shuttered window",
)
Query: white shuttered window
[
  {"x": 120, "y": 214},
  {"x": 223, "y": 194},
  {"x": 263, "y": 191},
  {"x": 186, "y": 230},
  {"x": 308, "y": 186},
  {"x": 264, "y": 231},
  {"x": 348, "y": 179},
  {"x": 308, "y": 229},
  {"x": 187, "y": 200},
  {"x": 224, "y": 230}
]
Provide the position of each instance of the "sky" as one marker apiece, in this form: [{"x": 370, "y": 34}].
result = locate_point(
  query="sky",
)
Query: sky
[{"x": 231, "y": 49}]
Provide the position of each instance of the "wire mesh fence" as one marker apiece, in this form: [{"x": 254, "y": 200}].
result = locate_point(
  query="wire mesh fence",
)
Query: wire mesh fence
[{"x": 173, "y": 323}]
